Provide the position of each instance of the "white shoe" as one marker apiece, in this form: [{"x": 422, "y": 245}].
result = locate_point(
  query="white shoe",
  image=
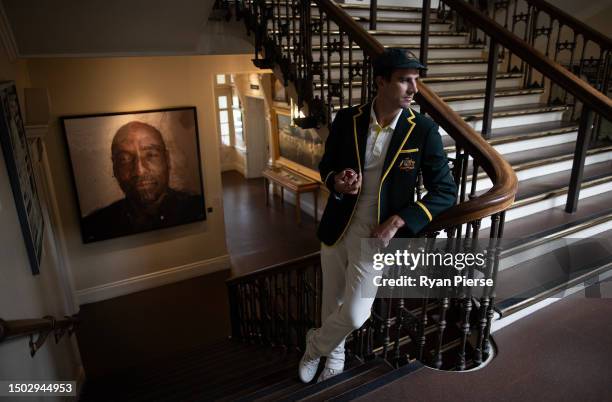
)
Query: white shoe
[
  {"x": 309, "y": 362},
  {"x": 328, "y": 373}
]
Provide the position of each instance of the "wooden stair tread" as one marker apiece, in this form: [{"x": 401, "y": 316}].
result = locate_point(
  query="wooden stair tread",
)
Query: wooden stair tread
[
  {"x": 515, "y": 110},
  {"x": 401, "y": 20},
  {"x": 558, "y": 181},
  {"x": 380, "y": 19},
  {"x": 552, "y": 220},
  {"x": 410, "y": 46},
  {"x": 459, "y": 60},
  {"x": 517, "y": 133},
  {"x": 382, "y": 7},
  {"x": 450, "y": 77},
  {"x": 353, "y": 382},
  {"x": 546, "y": 154},
  {"x": 341, "y": 382},
  {"x": 450, "y": 96},
  {"x": 537, "y": 157},
  {"x": 365, "y": 7},
  {"x": 466, "y": 76}
]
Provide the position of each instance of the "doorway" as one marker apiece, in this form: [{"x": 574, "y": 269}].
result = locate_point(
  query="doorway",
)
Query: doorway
[
  {"x": 256, "y": 133},
  {"x": 257, "y": 235}
]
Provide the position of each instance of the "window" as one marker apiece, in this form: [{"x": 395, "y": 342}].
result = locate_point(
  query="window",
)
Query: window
[{"x": 229, "y": 112}]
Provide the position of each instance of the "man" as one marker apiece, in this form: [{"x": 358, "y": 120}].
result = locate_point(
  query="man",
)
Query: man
[
  {"x": 372, "y": 156},
  {"x": 141, "y": 165}
]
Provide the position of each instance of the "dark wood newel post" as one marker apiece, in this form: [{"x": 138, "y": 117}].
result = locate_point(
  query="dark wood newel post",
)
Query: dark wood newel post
[
  {"x": 490, "y": 88},
  {"x": 424, "y": 34},
  {"x": 373, "y": 7},
  {"x": 582, "y": 146}
]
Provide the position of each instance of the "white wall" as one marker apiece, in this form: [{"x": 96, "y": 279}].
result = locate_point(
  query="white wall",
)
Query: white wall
[{"x": 23, "y": 295}]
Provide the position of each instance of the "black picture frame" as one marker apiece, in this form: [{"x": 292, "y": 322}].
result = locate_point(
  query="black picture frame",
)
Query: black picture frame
[
  {"x": 21, "y": 174},
  {"x": 112, "y": 203}
]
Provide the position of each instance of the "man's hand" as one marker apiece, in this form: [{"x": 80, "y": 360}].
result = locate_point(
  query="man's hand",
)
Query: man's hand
[
  {"x": 347, "y": 182},
  {"x": 386, "y": 230}
]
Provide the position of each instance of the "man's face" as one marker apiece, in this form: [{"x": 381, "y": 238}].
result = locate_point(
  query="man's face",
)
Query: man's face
[
  {"x": 401, "y": 87},
  {"x": 140, "y": 164}
]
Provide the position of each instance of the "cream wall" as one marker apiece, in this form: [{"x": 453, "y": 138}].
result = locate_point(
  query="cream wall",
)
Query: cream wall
[
  {"x": 23, "y": 295},
  {"x": 601, "y": 20},
  {"x": 96, "y": 85}
]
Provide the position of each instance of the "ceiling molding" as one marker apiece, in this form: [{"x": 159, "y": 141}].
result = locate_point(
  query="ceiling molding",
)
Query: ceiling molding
[{"x": 7, "y": 37}]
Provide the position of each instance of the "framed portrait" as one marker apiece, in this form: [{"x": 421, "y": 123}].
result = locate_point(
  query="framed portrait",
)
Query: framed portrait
[
  {"x": 135, "y": 171},
  {"x": 303, "y": 147},
  {"x": 21, "y": 174}
]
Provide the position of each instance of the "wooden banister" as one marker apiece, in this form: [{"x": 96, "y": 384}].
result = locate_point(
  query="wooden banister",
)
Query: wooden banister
[
  {"x": 591, "y": 97},
  {"x": 42, "y": 327},
  {"x": 499, "y": 197},
  {"x": 296, "y": 263},
  {"x": 569, "y": 20}
]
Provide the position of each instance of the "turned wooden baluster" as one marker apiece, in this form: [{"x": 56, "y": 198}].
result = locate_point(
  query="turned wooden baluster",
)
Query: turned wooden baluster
[{"x": 444, "y": 304}]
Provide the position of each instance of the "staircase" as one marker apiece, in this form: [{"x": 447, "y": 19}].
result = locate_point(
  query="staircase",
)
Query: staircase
[
  {"x": 546, "y": 252},
  {"x": 537, "y": 138}
]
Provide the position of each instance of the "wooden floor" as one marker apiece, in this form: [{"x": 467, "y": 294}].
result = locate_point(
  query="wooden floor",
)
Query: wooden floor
[{"x": 258, "y": 236}]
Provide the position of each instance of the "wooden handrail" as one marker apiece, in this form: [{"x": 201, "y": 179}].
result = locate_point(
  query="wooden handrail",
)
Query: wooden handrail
[
  {"x": 21, "y": 328},
  {"x": 592, "y": 98},
  {"x": 580, "y": 27},
  {"x": 505, "y": 184},
  {"x": 285, "y": 266}
]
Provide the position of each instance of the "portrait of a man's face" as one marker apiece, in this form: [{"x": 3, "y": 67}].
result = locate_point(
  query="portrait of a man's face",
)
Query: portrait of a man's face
[{"x": 135, "y": 172}]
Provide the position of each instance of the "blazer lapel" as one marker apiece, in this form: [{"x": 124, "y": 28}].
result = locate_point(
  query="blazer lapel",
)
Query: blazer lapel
[
  {"x": 402, "y": 131},
  {"x": 361, "y": 124}
]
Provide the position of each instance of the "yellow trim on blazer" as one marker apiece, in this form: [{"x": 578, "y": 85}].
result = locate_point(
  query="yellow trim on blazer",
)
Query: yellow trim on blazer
[
  {"x": 359, "y": 163},
  {"x": 412, "y": 125},
  {"x": 409, "y": 151},
  {"x": 420, "y": 204}
]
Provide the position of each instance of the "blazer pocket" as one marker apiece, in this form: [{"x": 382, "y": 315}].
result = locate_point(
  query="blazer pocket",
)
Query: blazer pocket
[{"x": 409, "y": 151}]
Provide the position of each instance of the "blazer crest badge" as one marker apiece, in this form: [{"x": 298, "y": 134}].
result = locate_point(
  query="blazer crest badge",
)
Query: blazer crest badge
[{"x": 407, "y": 164}]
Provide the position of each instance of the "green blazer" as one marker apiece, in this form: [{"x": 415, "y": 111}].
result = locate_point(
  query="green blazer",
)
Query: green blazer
[{"x": 415, "y": 145}]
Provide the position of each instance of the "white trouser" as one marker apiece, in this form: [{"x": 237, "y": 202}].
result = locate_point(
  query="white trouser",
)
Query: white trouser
[{"x": 347, "y": 277}]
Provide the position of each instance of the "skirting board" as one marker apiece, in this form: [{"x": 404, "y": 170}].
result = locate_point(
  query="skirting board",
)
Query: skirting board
[{"x": 152, "y": 280}]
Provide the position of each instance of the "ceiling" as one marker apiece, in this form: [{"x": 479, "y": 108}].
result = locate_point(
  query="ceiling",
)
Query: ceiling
[
  {"x": 120, "y": 27},
  {"x": 52, "y": 28}
]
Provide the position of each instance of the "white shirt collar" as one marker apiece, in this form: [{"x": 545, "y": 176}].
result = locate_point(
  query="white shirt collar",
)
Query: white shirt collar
[{"x": 393, "y": 123}]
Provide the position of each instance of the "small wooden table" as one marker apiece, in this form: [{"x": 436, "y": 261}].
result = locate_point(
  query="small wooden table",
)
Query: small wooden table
[{"x": 293, "y": 181}]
